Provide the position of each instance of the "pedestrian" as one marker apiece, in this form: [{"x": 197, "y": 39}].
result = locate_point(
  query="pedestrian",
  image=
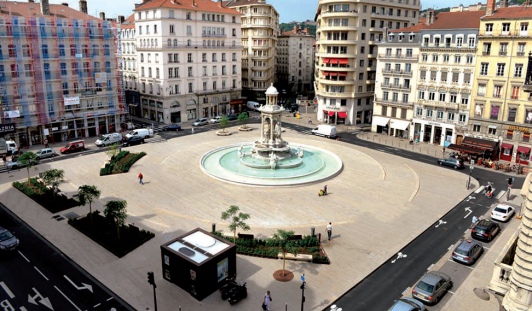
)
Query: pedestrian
[
  {"x": 267, "y": 300},
  {"x": 329, "y": 231},
  {"x": 474, "y": 220},
  {"x": 192, "y": 130},
  {"x": 309, "y": 120},
  {"x": 140, "y": 179}
]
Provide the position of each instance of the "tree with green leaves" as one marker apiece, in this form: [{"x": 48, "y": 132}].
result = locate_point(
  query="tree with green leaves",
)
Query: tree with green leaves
[
  {"x": 87, "y": 194},
  {"x": 237, "y": 220},
  {"x": 54, "y": 178},
  {"x": 28, "y": 159},
  {"x": 115, "y": 211},
  {"x": 113, "y": 150},
  {"x": 285, "y": 245},
  {"x": 243, "y": 119},
  {"x": 223, "y": 123}
]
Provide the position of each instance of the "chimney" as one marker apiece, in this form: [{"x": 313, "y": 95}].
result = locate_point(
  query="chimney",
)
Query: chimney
[
  {"x": 503, "y": 3},
  {"x": 490, "y": 8},
  {"x": 220, "y": 4},
  {"x": 295, "y": 28},
  {"x": 45, "y": 7},
  {"x": 194, "y": 3},
  {"x": 65, "y": 4},
  {"x": 102, "y": 15},
  {"x": 31, "y": 1},
  {"x": 83, "y": 6},
  {"x": 121, "y": 19},
  {"x": 429, "y": 19}
]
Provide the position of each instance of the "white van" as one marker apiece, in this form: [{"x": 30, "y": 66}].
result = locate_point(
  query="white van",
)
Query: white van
[
  {"x": 326, "y": 130},
  {"x": 108, "y": 139},
  {"x": 144, "y": 133},
  {"x": 254, "y": 106}
]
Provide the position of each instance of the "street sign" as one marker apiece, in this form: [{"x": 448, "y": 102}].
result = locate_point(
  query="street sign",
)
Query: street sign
[{"x": 302, "y": 278}]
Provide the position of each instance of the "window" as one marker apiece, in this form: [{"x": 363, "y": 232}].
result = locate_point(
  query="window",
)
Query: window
[
  {"x": 521, "y": 49},
  {"x": 489, "y": 27},
  {"x": 450, "y": 115},
  {"x": 469, "y": 59},
  {"x": 484, "y": 69},
  {"x": 445, "y": 58},
  {"x": 459, "y": 42},
  {"x": 497, "y": 91},
  {"x": 190, "y": 72},
  {"x": 505, "y": 28},
  {"x": 457, "y": 58},
  {"x": 467, "y": 78},
  {"x": 500, "y": 69},
  {"x": 512, "y": 112},
  {"x": 453, "y": 98},
  {"x": 492, "y": 130},
  {"x": 421, "y": 95},
  {"x": 476, "y": 128},
  {"x": 486, "y": 49},
  {"x": 494, "y": 113},
  {"x": 481, "y": 91},
  {"x": 435, "y": 57},
  {"x": 524, "y": 27},
  {"x": 419, "y": 111},
  {"x": 442, "y": 97},
  {"x": 432, "y": 95},
  {"x": 462, "y": 118},
  {"x": 471, "y": 42},
  {"x": 518, "y": 71},
  {"x": 171, "y": 29},
  {"x": 503, "y": 48},
  {"x": 424, "y": 57},
  {"x": 429, "y": 112},
  {"x": 515, "y": 92}
]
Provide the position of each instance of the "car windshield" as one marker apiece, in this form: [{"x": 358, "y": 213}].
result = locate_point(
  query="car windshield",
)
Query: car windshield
[
  {"x": 67, "y": 146},
  {"x": 425, "y": 287},
  {"x": 5, "y": 235},
  {"x": 500, "y": 210},
  {"x": 101, "y": 137}
]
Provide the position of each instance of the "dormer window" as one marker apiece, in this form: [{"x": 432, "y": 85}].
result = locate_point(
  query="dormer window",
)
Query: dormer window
[
  {"x": 390, "y": 36},
  {"x": 401, "y": 36}
]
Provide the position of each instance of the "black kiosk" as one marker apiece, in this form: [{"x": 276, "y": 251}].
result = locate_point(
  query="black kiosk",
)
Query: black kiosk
[{"x": 198, "y": 262}]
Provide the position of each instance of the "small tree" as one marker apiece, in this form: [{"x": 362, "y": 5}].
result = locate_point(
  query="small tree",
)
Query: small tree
[
  {"x": 87, "y": 194},
  {"x": 54, "y": 178},
  {"x": 115, "y": 211},
  {"x": 243, "y": 119},
  {"x": 223, "y": 123},
  {"x": 113, "y": 150},
  {"x": 28, "y": 159},
  {"x": 285, "y": 245},
  {"x": 236, "y": 219}
]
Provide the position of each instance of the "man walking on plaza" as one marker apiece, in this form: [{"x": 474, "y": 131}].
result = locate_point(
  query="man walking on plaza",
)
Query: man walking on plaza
[
  {"x": 140, "y": 179},
  {"x": 329, "y": 231}
]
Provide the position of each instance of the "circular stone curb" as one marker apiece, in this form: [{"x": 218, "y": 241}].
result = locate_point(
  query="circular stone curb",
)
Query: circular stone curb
[
  {"x": 245, "y": 129},
  {"x": 287, "y": 277},
  {"x": 220, "y": 133}
]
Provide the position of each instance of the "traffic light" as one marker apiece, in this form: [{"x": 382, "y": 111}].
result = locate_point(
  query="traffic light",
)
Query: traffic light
[
  {"x": 510, "y": 180},
  {"x": 151, "y": 279}
]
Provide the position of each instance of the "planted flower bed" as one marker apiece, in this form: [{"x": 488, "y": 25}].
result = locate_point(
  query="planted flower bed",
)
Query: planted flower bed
[
  {"x": 121, "y": 163},
  {"x": 104, "y": 232},
  {"x": 44, "y": 196}
]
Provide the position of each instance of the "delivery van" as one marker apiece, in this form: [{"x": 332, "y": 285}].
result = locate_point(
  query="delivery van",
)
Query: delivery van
[
  {"x": 73, "y": 146},
  {"x": 108, "y": 139},
  {"x": 325, "y": 130},
  {"x": 144, "y": 133},
  {"x": 254, "y": 106}
]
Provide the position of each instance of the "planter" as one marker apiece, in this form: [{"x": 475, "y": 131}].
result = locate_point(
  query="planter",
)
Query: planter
[
  {"x": 221, "y": 133},
  {"x": 245, "y": 129}
]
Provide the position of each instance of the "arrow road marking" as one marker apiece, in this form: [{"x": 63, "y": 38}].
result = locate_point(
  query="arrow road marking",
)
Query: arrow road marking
[
  {"x": 85, "y": 286},
  {"x": 467, "y": 209},
  {"x": 39, "y": 298},
  {"x": 440, "y": 222},
  {"x": 399, "y": 256},
  {"x": 470, "y": 198}
]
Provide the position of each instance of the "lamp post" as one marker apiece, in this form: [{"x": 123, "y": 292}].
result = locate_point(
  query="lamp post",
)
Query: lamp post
[
  {"x": 151, "y": 280},
  {"x": 302, "y": 290},
  {"x": 470, "y": 171}
]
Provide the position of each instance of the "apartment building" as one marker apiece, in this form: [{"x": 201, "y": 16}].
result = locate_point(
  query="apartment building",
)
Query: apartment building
[
  {"x": 127, "y": 54},
  {"x": 446, "y": 71},
  {"x": 58, "y": 77},
  {"x": 395, "y": 86},
  {"x": 501, "y": 110},
  {"x": 188, "y": 59},
  {"x": 295, "y": 61},
  {"x": 347, "y": 34},
  {"x": 260, "y": 28}
]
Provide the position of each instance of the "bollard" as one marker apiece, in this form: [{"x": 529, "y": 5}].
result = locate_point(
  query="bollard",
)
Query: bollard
[
  {"x": 213, "y": 225},
  {"x": 312, "y": 231},
  {"x": 319, "y": 238}
]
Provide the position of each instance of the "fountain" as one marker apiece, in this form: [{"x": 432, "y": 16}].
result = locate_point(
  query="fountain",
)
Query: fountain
[{"x": 270, "y": 161}]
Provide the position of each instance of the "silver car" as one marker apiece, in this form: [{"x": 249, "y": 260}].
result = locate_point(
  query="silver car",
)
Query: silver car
[
  {"x": 407, "y": 304},
  {"x": 468, "y": 251},
  {"x": 432, "y": 286},
  {"x": 8, "y": 241},
  {"x": 45, "y": 153},
  {"x": 202, "y": 121}
]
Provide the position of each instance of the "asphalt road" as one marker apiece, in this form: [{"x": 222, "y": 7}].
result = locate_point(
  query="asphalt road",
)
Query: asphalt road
[{"x": 38, "y": 276}]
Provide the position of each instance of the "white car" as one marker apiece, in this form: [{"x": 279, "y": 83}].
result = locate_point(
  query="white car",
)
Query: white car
[
  {"x": 199, "y": 122},
  {"x": 215, "y": 119},
  {"x": 502, "y": 212}
]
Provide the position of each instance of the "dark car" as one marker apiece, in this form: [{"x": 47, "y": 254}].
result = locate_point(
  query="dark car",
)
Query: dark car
[
  {"x": 452, "y": 162},
  {"x": 133, "y": 140},
  {"x": 432, "y": 286},
  {"x": 468, "y": 251},
  {"x": 485, "y": 230},
  {"x": 232, "y": 117},
  {"x": 172, "y": 127},
  {"x": 8, "y": 241}
]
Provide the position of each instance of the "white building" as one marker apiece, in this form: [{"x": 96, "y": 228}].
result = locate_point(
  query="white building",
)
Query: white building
[
  {"x": 188, "y": 59},
  {"x": 127, "y": 54}
]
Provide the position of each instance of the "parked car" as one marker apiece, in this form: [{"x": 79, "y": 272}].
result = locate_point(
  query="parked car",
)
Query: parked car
[
  {"x": 407, "y": 304},
  {"x": 485, "y": 230},
  {"x": 432, "y": 286},
  {"x": 215, "y": 119},
  {"x": 502, "y": 212},
  {"x": 133, "y": 140},
  {"x": 468, "y": 251},
  {"x": 45, "y": 153},
  {"x": 452, "y": 162},
  {"x": 172, "y": 127},
  {"x": 325, "y": 130},
  {"x": 73, "y": 146},
  {"x": 202, "y": 121},
  {"x": 8, "y": 241},
  {"x": 108, "y": 139},
  {"x": 144, "y": 133},
  {"x": 232, "y": 117}
]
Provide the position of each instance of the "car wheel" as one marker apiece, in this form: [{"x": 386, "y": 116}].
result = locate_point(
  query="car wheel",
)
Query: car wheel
[
  {"x": 450, "y": 285},
  {"x": 440, "y": 163},
  {"x": 455, "y": 167}
]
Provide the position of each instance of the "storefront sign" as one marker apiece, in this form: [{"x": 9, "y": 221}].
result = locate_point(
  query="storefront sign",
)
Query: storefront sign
[
  {"x": 7, "y": 128},
  {"x": 12, "y": 114},
  {"x": 434, "y": 123},
  {"x": 71, "y": 100},
  {"x": 333, "y": 108},
  {"x": 519, "y": 128}
]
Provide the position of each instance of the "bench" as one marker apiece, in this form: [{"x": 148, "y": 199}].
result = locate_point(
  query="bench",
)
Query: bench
[{"x": 298, "y": 257}]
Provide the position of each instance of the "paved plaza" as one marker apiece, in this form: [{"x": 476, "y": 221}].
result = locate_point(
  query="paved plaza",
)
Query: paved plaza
[{"x": 377, "y": 204}]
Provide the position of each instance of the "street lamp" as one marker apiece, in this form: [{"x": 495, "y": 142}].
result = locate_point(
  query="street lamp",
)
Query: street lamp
[{"x": 470, "y": 171}]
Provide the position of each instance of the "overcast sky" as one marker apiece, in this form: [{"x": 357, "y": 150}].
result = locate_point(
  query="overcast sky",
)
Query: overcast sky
[{"x": 289, "y": 10}]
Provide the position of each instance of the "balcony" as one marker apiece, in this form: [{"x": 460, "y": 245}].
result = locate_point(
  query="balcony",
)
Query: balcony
[
  {"x": 396, "y": 87},
  {"x": 500, "y": 279},
  {"x": 387, "y": 102}
]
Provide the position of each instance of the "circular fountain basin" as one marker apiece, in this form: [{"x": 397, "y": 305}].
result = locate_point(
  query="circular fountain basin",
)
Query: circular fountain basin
[{"x": 225, "y": 164}]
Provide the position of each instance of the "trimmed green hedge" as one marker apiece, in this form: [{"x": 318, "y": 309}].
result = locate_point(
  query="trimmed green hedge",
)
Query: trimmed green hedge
[
  {"x": 121, "y": 163},
  {"x": 44, "y": 196}
]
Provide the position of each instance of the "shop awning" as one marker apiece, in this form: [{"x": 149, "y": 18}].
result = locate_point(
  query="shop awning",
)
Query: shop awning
[
  {"x": 399, "y": 124},
  {"x": 237, "y": 101},
  {"x": 326, "y": 60},
  {"x": 333, "y": 74},
  {"x": 507, "y": 146},
  {"x": 331, "y": 113},
  {"x": 342, "y": 114},
  {"x": 479, "y": 143},
  {"x": 466, "y": 149},
  {"x": 380, "y": 121},
  {"x": 523, "y": 150},
  {"x": 333, "y": 60},
  {"x": 342, "y": 74},
  {"x": 343, "y": 61}
]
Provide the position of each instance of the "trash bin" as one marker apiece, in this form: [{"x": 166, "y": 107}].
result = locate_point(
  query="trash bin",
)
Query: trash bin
[
  {"x": 312, "y": 231},
  {"x": 294, "y": 114}
]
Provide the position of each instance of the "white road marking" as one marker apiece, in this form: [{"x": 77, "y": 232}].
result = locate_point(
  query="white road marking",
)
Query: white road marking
[
  {"x": 406, "y": 291},
  {"x": 480, "y": 189},
  {"x": 452, "y": 245},
  {"x": 467, "y": 209},
  {"x": 7, "y": 290},
  {"x": 67, "y": 298},
  {"x": 44, "y": 276},
  {"x": 24, "y": 256},
  {"x": 430, "y": 267}
]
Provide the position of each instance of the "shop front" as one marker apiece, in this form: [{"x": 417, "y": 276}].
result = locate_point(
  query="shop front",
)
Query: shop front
[
  {"x": 523, "y": 155},
  {"x": 436, "y": 133},
  {"x": 506, "y": 152},
  {"x": 478, "y": 148},
  {"x": 400, "y": 128},
  {"x": 380, "y": 124}
]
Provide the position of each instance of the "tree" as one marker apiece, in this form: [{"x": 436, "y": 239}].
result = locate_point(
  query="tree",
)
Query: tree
[
  {"x": 113, "y": 150},
  {"x": 282, "y": 239},
  {"x": 28, "y": 159},
  {"x": 236, "y": 219},
  {"x": 115, "y": 211},
  {"x": 54, "y": 178},
  {"x": 243, "y": 119},
  {"x": 223, "y": 123},
  {"x": 87, "y": 194}
]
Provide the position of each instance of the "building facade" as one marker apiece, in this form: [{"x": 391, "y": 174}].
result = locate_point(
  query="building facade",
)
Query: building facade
[
  {"x": 127, "y": 53},
  {"x": 260, "y": 28},
  {"x": 188, "y": 59},
  {"x": 501, "y": 110},
  {"x": 295, "y": 61},
  {"x": 58, "y": 76},
  {"x": 347, "y": 35}
]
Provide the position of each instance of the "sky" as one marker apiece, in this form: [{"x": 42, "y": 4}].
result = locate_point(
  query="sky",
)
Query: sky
[{"x": 289, "y": 10}]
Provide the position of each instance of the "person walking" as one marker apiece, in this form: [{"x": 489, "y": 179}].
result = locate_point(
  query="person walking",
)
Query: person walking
[
  {"x": 267, "y": 300},
  {"x": 329, "y": 231},
  {"x": 140, "y": 179}
]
